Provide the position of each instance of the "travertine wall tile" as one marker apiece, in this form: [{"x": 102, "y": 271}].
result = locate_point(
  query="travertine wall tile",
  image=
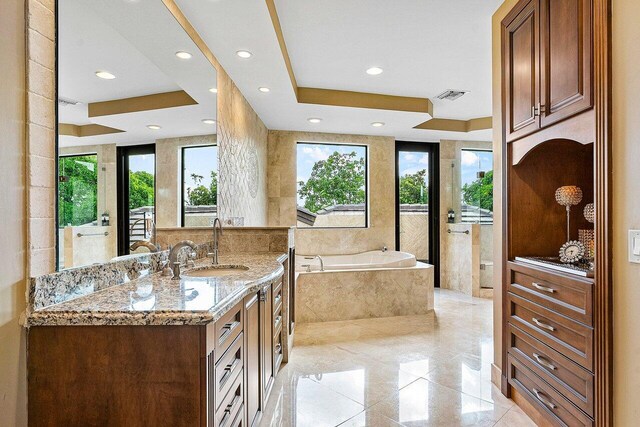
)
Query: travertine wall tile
[
  {"x": 41, "y": 49},
  {"x": 41, "y": 80},
  {"x": 42, "y": 172},
  {"x": 42, "y": 141},
  {"x": 42, "y": 19},
  {"x": 41, "y": 109}
]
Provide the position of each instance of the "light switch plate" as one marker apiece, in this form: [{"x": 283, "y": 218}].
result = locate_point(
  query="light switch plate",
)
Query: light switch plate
[{"x": 634, "y": 246}]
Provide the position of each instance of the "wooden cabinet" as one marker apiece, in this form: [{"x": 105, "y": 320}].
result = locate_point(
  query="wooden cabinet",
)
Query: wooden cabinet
[
  {"x": 521, "y": 71},
  {"x": 547, "y": 64},
  {"x": 214, "y": 375},
  {"x": 565, "y": 60}
]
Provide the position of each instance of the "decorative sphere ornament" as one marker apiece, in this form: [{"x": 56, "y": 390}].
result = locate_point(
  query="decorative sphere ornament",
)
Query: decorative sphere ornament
[
  {"x": 569, "y": 195},
  {"x": 589, "y": 213}
]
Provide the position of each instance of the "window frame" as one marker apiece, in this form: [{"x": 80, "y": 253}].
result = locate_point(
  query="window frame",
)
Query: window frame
[
  {"x": 182, "y": 187},
  {"x": 366, "y": 184},
  {"x": 484, "y": 150}
]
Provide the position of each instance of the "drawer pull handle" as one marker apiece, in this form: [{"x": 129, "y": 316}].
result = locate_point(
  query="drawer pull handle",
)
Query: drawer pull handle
[
  {"x": 277, "y": 322},
  {"x": 544, "y": 362},
  {"x": 278, "y": 348},
  {"x": 543, "y": 325},
  {"x": 539, "y": 287},
  {"x": 541, "y": 397}
]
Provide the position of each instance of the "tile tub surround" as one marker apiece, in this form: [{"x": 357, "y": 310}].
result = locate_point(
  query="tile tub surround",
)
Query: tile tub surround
[
  {"x": 358, "y": 294},
  {"x": 160, "y": 300},
  {"x": 424, "y": 370},
  {"x": 234, "y": 239}
]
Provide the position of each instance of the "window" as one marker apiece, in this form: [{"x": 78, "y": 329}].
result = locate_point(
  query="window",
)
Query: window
[
  {"x": 77, "y": 190},
  {"x": 199, "y": 185},
  {"x": 477, "y": 186},
  {"x": 332, "y": 185}
]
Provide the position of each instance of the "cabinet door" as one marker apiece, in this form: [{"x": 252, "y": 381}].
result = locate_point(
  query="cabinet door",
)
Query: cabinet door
[
  {"x": 566, "y": 82},
  {"x": 266, "y": 319},
  {"x": 521, "y": 68},
  {"x": 252, "y": 357}
]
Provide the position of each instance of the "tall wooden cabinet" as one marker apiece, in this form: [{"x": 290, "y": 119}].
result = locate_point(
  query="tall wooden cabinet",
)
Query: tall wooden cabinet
[
  {"x": 547, "y": 51},
  {"x": 552, "y": 358}
]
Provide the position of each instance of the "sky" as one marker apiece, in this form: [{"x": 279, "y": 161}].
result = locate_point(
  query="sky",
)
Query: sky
[
  {"x": 309, "y": 154},
  {"x": 472, "y": 162}
]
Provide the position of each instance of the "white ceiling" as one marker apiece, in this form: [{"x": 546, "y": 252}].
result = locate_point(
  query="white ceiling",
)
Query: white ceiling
[
  {"x": 136, "y": 41},
  {"x": 424, "y": 47}
]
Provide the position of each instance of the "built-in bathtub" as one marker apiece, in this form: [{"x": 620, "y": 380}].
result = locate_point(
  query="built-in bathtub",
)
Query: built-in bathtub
[{"x": 364, "y": 285}]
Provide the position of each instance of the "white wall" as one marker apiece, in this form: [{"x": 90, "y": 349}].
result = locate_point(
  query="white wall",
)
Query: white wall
[
  {"x": 626, "y": 210},
  {"x": 13, "y": 377}
]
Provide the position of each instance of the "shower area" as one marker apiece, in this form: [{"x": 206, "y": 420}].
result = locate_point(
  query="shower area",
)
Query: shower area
[{"x": 467, "y": 235}]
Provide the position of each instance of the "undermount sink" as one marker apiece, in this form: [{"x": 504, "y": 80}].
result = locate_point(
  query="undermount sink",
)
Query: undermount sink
[{"x": 215, "y": 271}]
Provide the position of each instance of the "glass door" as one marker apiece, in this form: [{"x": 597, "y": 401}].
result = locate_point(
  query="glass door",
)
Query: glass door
[
  {"x": 417, "y": 201},
  {"x": 136, "y": 196}
]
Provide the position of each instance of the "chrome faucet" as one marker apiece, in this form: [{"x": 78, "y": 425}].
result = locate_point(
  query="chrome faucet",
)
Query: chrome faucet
[
  {"x": 173, "y": 257},
  {"x": 217, "y": 225},
  {"x": 145, "y": 244},
  {"x": 321, "y": 262}
]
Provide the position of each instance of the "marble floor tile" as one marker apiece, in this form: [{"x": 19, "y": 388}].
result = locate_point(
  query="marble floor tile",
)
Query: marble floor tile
[
  {"x": 515, "y": 418},
  {"x": 423, "y": 403},
  {"x": 427, "y": 370}
]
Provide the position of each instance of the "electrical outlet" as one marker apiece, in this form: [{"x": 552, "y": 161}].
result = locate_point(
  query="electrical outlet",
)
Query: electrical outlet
[{"x": 634, "y": 246}]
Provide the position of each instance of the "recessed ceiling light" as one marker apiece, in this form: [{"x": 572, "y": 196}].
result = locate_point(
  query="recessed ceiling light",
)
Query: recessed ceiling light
[
  {"x": 264, "y": 89},
  {"x": 314, "y": 120},
  {"x": 244, "y": 54},
  {"x": 183, "y": 55},
  {"x": 154, "y": 127},
  {"x": 105, "y": 75},
  {"x": 377, "y": 124},
  {"x": 209, "y": 121},
  {"x": 213, "y": 90},
  {"x": 374, "y": 71}
]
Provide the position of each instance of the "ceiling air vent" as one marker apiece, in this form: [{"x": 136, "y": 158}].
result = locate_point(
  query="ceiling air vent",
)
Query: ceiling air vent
[
  {"x": 451, "y": 94},
  {"x": 64, "y": 102}
]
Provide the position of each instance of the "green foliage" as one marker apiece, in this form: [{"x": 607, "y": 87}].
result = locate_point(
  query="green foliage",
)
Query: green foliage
[
  {"x": 480, "y": 192},
  {"x": 414, "y": 189},
  {"x": 200, "y": 194},
  {"x": 339, "y": 180},
  {"x": 141, "y": 191},
  {"x": 77, "y": 192}
]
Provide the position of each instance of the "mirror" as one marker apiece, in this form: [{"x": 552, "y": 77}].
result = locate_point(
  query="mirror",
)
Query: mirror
[{"x": 136, "y": 129}]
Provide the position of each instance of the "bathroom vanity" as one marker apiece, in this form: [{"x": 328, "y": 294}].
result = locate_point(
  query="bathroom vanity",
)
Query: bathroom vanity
[{"x": 158, "y": 351}]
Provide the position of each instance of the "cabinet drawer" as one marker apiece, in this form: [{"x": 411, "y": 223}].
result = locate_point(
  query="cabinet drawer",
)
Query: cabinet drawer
[
  {"x": 569, "y": 338},
  {"x": 228, "y": 327},
  {"x": 540, "y": 394},
  {"x": 572, "y": 298},
  {"x": 227, "y": 368},
  {"x": 232, "y": 404},
  {"x": 571, "y": 380}
]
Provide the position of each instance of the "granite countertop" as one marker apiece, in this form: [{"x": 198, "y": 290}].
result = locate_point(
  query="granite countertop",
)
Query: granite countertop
[{"x": 159, "y": 300}]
